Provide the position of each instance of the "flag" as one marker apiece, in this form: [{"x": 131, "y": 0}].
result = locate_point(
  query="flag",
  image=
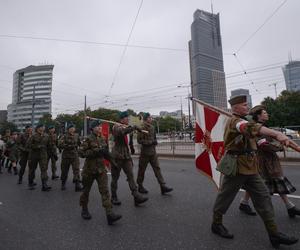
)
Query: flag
[
  {"x": 209, "y": 142},
  {"x": 105, "y": 134}
]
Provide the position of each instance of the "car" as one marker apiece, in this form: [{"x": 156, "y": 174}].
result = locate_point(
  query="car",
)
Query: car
[{"x": 292, "y": 134}]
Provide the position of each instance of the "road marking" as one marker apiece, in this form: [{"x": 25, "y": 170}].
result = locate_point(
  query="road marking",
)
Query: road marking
[
  {"x": 288, "y": 195},
  {"x": 1, "y": 203}
]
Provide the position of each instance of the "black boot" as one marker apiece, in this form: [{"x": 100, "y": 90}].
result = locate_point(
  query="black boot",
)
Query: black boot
[
  {"x": 247, "y": 209},
  {"x": 31, "y": 185},
  {"x": 54, "y": 177},
  {"x": 63, "y": 185},
  {"x": 282, "y": 239},
  {"x": 85, "y": 214},
  {"x": 139, "y": 199},
  {"x": 115, "y": 201},
  {"x": 220, "y": 230},
  {"x": 293, "y": 212},
  {"x": 45, "y": 187},
  {"x": 78, "y": 187},
  {"x": 15, "y": 170},
  {"x": 20, "y": 180},
  {"x": 142, "y": 190},
  {"x": 165, "y": 189},
  {"x": 9, "y": 170},
  {"x": 112, "y": 217}
]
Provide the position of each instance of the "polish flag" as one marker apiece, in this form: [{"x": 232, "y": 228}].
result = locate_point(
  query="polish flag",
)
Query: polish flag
[{"x": 209, "y": 142}]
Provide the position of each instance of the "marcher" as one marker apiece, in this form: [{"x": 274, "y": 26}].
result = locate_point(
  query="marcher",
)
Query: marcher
[
  {"x": 148, "y": 155},
  {"x": 52, "y": 151},
  {"x": 38, "y": 145},
  {"x": 2, "y": 149},
  {"x": 69, "y": 144},
  {"x": 269, "y": 166},
  {"x": 24, "y": 152},
  {"x": 240, "y": 151},
  {"x": 123, "y": 160},
  {"x": 13, "y": 155},
  {"x": 94, "y": 149}
]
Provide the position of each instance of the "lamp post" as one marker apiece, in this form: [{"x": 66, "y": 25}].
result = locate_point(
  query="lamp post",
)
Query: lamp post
[
  {"x": 188, "y": 98},
  {"x": 180, "y": 109}
]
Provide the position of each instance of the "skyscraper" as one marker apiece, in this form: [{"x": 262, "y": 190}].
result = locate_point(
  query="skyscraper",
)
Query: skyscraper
[
  {"x": 206, "y": 60},
  {"x": 31, "y": 97},
  {"x": 291, "y": 73},
  {"x": 245, "y": 92}
]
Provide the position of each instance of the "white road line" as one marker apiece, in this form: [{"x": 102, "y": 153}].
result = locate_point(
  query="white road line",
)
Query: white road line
[{"x": 289, "y": 195}]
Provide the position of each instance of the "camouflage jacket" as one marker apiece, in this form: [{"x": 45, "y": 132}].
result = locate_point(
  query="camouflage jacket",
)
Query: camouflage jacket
[
  {"x": 52, "y": 150},
  {"x": 148, "y": 141},
  {"x": 38, "y": 145},
  {"x": 120, "y": 150},
  {"x": 12, "y": 147},
  {"x": 92, "y": 149},
  {"x": 22, "y": 143},
  {"x": 69, "y": 144},
  {"x": 240, "y": 139}
]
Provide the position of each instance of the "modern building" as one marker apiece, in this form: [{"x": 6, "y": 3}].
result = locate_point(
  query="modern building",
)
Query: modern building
[
  {"x": 31, "y": 97},
  {"x": 291, "y": 73},
  {"x": 206, "y": 60},
  {"x": 3, "y": 116},
  {"x": 176, "y": 114},
  {"x": 243, "y": 92}
]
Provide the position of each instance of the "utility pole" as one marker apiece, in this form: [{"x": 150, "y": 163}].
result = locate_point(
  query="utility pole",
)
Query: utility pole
[
  {"x": 275, "y": 86},
  {"x": 85, "y": 119},
  {"x": 33, "y": 106}
]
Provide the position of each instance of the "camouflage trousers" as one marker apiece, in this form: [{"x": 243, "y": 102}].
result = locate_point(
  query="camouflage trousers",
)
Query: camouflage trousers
[
  {"x": 259, "y": 194},
  {"x": 65, "y": 166},
  {"x": 102, "y": 181},
  {"x": 23, "y": 163},
  {"x": 33, "y": 162},
  {"x": 127, "y": 167},
  {"x": 143, "y": 163},
  {"x": 52, "y": 159}
]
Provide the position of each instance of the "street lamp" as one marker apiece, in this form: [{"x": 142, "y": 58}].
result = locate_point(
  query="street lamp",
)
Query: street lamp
[
  {"x": 180, "y": 109},
  {"x": 188, "y": 98}
]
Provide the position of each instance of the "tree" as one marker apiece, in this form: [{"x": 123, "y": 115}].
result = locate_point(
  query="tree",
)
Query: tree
[
  {"x": 167, "y": 124},
  {"x": 7, "y": 125}
]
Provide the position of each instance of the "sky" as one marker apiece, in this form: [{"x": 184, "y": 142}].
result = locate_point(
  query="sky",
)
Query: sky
[{"x": 145, "y": 75}]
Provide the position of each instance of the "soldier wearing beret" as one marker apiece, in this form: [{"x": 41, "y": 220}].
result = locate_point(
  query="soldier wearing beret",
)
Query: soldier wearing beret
[
  {"x": 240, "y": 144},
  {"x": 269, "y": 165},
  {"x": 69, "y": 144},
  {"x": 95, "y": 149},
  {"x": 12, "y": 148},
  {"x": 38, "y": 146},
  {"x": 24, "y": 152},
  {"x": 122, "y": 158},
  {"x": 148, "y": 155},
  {"x": 52, "y": 151}
]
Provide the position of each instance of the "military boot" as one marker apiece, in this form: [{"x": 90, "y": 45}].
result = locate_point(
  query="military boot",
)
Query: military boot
[
  {"x": 15, "y": 170},
  {"x": 282, "y": 239},
  {"x": 54, "y": 177},
  {"x": 112, "y": 217},
  {"x": 45, "y": 187},
  {"x": 20, "y": 180},
  {"x": 63, "y": 185},
  {"x": 9, "y": 170},
  {"x": 115, "y": 201},
  {"x": 78, "y": 187},
  {"x": 142, "y": 190},
  {"x": 220, "y": 230},
  {"x": 247, "y": 209},
  {"x": 139, "y": 199},
  {"x": 85, "y": 214},
  {"x": 164, "y": 189},
  {"x": 31, "y": 185},
  {"x": 293, "y": 212}
]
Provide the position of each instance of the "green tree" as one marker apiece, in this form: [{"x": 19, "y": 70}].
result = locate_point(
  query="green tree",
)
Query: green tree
[
  {"x": 7, "y": 125},
  {"x": 167, "y": 124}
]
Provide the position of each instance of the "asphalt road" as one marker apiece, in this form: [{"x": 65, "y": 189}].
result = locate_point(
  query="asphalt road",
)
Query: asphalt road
[{"x": 51, "y": 220}]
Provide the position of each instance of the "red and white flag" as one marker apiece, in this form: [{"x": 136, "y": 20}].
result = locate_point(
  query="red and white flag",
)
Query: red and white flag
[{"x": 209, "y": 142}]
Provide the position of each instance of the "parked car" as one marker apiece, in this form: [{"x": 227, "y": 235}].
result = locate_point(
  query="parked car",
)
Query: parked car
[{"x": 292, "y": 134}]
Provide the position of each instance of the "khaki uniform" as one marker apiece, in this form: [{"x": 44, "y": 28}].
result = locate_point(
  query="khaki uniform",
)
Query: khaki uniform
[
  {"x": 69, "y": 145},
  {"x": 122, "y": 158},
  {"x": 240, "y": 140},
  {"x": 38, "y": 145},
  {"x": 12, "y": 148},
  {"x": 52, "y": 152},
  {"x": 94, "y": 169},
  {"x": 24, "y": 152},
  {"x": 148, "y": 154}
]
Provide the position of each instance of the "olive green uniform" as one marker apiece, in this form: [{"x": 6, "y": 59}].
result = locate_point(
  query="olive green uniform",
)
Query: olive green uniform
[
  {"x": 239, "y": 140},
  {"x": 69, "y": 144},
  {"x": 94, "y": 169},
  {"x": 148, "y": 154},
  {"x": 52, "y": 152},
  {"x": 38, "y": 145},
  {"x": 24, "y": 152},
  {"x": 12, "y": 148}
]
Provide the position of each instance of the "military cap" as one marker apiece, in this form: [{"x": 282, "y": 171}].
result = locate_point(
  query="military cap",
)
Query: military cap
[
  {"x": 95, "y": 123},
  {"x": 237, "y": 99},
  {"x": 146, "y": 115},
  {"x": 39, "y": 125},
  {"x": 70, "y": 125},
  {"x": 123, "y": 114},
  {"x": 257, "y": 109},
  {"x": 28, "y": 126},
  {"x": 51, "y": 127}
]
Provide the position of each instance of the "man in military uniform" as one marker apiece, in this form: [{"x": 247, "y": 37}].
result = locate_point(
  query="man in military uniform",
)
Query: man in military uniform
[
  {"x": 38, "y": 146},
  {"x": 95, "y": 149},
  {"x": 122, "y": 159},
  {"x": 5, "y": 138},
  {"x": 69, "y": 144},
  {"x": 148, "y": 154},
  {"x": 2, "y": 149},
  {"x": 239, "y": 142},
  {"x": 13, "y": 155},
  {"x": 52, "y": 150},
  {"x": 22, "y": 143}
]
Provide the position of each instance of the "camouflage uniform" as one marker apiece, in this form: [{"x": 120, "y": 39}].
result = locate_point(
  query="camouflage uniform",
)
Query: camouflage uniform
[
  {"x": 52, "y": 153},
  {"x": 239, "y": 140},
  {"x": 24, "y": 153},
  {"x": 69, "y": 144},
  {"x": 13, "y": 156},
  {"x": 94, "y": 169}
]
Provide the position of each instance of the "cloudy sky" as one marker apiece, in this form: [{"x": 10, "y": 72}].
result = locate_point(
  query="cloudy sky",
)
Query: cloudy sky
[{"x": 156, "y": 60}]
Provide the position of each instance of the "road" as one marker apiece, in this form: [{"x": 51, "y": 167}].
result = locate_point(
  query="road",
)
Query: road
[{"x": 51, "y": 220}]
